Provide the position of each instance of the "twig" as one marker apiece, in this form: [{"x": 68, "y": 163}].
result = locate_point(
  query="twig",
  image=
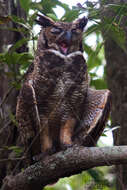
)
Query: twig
[
  {"x": 9, "y": 91},
  {"x": 12, "y": 159},
  {"x": 6, "y": 95},
  {"x": 35, "y": 103}
]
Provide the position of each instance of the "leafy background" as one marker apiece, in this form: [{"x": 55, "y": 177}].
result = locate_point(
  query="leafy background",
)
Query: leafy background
[{"x": 97, "y": 178}]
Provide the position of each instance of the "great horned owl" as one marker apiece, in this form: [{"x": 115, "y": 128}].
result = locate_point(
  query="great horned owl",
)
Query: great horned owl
[{"x": 56, "y": 108}]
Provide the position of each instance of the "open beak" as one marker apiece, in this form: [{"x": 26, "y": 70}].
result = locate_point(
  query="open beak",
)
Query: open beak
[
  {"x": 64, "y": 47},
  {"x": 65, "y": 42}
]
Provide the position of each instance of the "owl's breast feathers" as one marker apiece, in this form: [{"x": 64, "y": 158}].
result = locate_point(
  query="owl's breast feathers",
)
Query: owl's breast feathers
[
  {"x": 56, "y": 88},
  {"x": 55, "y": 80},
  {"x": 60, "y": 83}
]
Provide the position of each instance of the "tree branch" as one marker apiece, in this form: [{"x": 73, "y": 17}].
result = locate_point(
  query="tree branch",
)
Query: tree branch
[
  {"x": 65, "y": 163},
  {"x": 12, "y": 159}
]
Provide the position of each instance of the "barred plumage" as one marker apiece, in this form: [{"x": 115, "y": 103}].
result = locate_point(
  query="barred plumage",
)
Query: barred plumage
[{"x": 56, "y": 108}]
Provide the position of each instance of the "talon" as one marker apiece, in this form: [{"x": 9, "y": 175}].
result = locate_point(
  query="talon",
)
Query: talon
[
  {"x": 39, "y": 157},
  {"x": 66, "y": 146},
  {"x": 43, "y": 155}
]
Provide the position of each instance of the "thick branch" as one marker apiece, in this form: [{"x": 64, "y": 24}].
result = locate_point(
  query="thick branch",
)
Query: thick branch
[{"x": 66, "y": 163}]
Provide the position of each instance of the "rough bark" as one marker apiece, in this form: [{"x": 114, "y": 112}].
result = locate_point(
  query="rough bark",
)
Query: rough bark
[
  {"x": 8, "y": 131},
  {"x": 72, "y": 161},
  {"x": 116, "y": 69}
]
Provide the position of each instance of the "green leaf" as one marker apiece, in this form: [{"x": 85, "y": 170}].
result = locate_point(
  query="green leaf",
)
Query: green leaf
[
  {"x": 99, "y": 83},
  {"x": 5, "y": 20},
  {"x": 121, "y": 8},
  {"x": 36, "y": 6},
  {"x": 16, "y": 149},
  {"x": 115, "y": 31},
  {"x": 2, "y": 57},
  {"x": 93, "y": 58},
  {"x": 98, "y": 177},
  {"x": 70, "y": 15},
  {"x": 23, "y": 59},
  {"x": 32, "y": 18},
  {"x": 63, "y": 5},
  {"x": 25, "y": 4},
  {"x": 93, "y": 14},
  {"x": 104, "y": 135},
  {"x": 21, "y": 21},
  {"x": 17, "y": 86},
  {"x": 119, "y": 36},
  {"x": 48, "y": 6},
  {"x": 13, "y": 118},
  {"x": 19, "y": 43},
  {"x": 17, "y": 19},
  {"x": 52, "y": 16},
  {"x": 93, "y": 28},
  {"x": 95, "y": 174}
]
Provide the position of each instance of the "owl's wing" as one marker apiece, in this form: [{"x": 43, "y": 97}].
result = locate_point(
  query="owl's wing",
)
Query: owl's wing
[
  {"x": 96, "y": 111},
  {"x": 27, "y": 117}
]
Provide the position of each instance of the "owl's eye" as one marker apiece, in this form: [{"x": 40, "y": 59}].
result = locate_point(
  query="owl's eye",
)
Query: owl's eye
[{"x": 55, "y": 30}]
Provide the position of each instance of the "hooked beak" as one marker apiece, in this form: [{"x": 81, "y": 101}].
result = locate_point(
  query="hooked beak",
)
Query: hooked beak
[{"x": 68, "y": 36}]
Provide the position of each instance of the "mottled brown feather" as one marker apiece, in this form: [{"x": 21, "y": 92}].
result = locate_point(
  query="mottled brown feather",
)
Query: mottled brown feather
[{"x": 56, "y": 108}]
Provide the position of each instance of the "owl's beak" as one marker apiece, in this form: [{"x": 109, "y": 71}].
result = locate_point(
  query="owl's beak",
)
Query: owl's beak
[
  {"x": 65, "y": 42},
  {"x": 68, "y": 36}
]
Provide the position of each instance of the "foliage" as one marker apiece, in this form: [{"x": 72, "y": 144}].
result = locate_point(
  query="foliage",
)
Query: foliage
[
  {"x": 94, "y": 54},
  {"x": 93, "y": 179}
]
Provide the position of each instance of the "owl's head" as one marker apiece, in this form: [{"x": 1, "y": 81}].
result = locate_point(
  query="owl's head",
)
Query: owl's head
[{"x": 61, "y": 36}]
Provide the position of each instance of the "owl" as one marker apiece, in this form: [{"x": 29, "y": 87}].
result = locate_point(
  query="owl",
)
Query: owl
[{"x": 56, "y": 108}]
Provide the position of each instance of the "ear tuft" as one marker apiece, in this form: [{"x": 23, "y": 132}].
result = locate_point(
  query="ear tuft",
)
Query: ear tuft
[
  {"x": 82, "y": 22},
  {"x": 44, "y": 21}
]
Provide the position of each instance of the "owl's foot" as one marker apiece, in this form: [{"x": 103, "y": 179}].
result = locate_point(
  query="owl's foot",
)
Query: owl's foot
[
  {"x": 43, "y": 155},
  {"x": 65, "y": 146},
  {"x": 39, "y": 157}
]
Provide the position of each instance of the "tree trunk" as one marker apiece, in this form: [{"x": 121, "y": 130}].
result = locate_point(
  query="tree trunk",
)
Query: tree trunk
[
  {"x": 8, "y": 131},
  {"x": 116, "y": 69}
]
